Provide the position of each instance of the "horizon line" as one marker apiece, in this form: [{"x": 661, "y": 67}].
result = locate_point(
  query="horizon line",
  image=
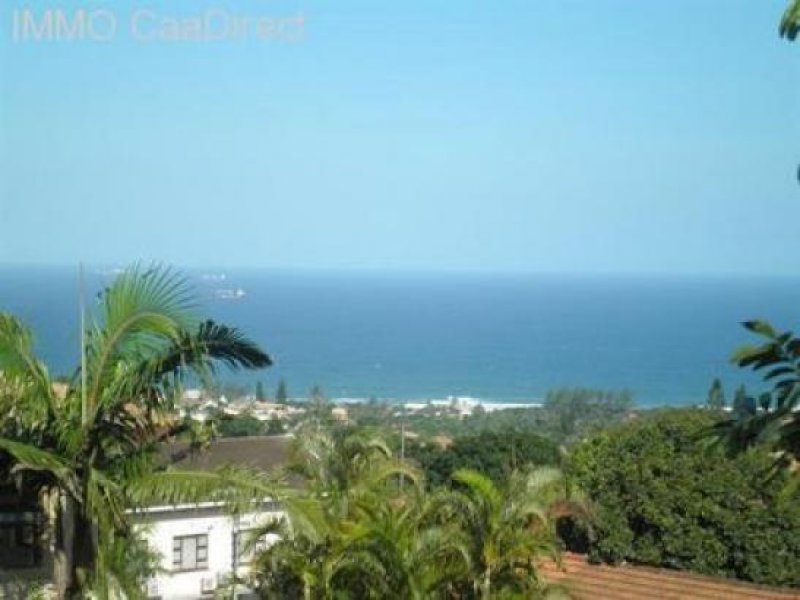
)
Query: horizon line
[{"x": 400, "y": 270}]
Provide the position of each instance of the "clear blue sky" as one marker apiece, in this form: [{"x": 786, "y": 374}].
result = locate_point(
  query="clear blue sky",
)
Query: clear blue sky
[{"x": 579, "y": 136}]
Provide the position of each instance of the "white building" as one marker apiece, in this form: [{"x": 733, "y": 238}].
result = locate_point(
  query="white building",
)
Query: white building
[{"x": 200, "y": 545}]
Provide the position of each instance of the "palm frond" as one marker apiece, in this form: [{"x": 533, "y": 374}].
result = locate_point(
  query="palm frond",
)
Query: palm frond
[
  {"x": 235, "y": 487},
  {"x": 790, "y": 23},
  {"x": 124, "y": 563},
  {"x": 389, "y": 470},
  {"x": 142, "y": 312},
  {"x": 478, "y": 485},
  {"x": 26, "y": 392},
  {"x": 542, "y": 478},
  {"x": 16, "y": 351},
  {"x": 105, "y": 503},
  {"x": 199, "y": 348},
  {"x": 306, "y": 517},
  {"x": 26, "y": 457}
]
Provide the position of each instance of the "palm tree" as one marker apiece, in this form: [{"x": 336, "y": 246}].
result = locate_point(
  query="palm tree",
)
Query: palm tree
[
  {"x": 373, "y": 539},
  {"x": 354, "y": 508},
  {"x": 342, "y": 464},
  {"x": 92, "y": 444},
  {"x": 395, "y": 550},
  {"x": 508, "y": 527},
  {"x": 296, "y": 563}
]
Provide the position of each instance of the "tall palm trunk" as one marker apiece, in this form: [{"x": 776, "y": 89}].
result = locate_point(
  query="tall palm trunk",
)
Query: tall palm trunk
[
  {"x": 486, "y": 587},
  {"x": 80, "y": 546},
  {"x": 84, "y": 551},
  {"x": 75, "y": 549},
  {"x": 64, "y": 526}
]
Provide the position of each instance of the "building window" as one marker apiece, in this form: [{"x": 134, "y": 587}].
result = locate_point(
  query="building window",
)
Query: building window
[
  {"x": 190, "y": 552},
  {"x": 246, "y": 547},
  {"x": 19, "y": 543}
]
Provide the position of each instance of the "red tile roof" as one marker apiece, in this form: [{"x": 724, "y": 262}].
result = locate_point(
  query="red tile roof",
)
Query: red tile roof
[{"x": 604, "y": 582}]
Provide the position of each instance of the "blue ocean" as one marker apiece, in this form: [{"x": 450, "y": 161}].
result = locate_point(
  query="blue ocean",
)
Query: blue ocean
[{"x": 415, "y": 337}]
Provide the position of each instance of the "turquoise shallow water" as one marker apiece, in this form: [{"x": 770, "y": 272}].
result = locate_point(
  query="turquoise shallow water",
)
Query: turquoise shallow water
[{"x": 503, "y": 338}]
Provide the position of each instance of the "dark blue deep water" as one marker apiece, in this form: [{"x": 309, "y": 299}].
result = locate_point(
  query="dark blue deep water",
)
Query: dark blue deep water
[{"x": 495, "y": 337}]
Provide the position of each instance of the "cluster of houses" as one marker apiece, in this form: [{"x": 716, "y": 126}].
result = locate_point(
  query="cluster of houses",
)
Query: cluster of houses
[
  {"x": 461, "y": 406},
  {"x": 201, "y": 407}
]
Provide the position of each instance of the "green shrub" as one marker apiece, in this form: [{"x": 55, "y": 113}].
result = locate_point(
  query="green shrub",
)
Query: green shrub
[
  {"x": 663, "y": 497},
  {"x": 241, "y": 426}
]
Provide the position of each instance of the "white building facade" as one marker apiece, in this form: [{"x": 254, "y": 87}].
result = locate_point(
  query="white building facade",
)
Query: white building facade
[{"x": 201, "y": 547}]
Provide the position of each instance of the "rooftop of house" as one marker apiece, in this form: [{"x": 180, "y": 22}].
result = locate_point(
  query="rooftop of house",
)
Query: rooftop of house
[
  {"x": 587, "y": 581},
  {"x": 266, "y": 453}
]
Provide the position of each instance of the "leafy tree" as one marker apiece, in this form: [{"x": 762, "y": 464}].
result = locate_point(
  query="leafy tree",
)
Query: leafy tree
[
  {"x": 570, "y": 414},
  {"x": 281, "y": 395},
  {"x": 494, "y": 453},
  {"x": 261, "y": 395},
  {"x": 716, "y": 396},
  {"x": 92, "y": 445},
  {"x": 240, "y": 426},
  {"x": 663, "y": 497}
]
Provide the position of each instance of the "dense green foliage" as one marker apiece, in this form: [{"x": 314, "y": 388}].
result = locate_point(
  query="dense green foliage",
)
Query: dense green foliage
[
  {"x": 247, "y": 425},
  {"x": 493, "y": 453},
  {"x": 664, "y": 497},
  {"x": 240, "y": 426},
  {"x": 569, "y": 414},
  {"x": 379, "y": 534}
]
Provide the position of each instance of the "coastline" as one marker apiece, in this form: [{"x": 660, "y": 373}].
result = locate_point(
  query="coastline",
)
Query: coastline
[{"x": 461, "y": 403}]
